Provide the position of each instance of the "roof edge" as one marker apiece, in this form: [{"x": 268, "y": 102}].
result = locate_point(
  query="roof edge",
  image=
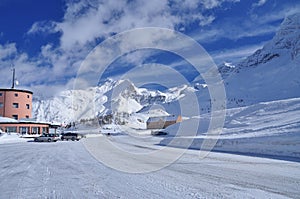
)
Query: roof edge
[{"x": 18, "y": 90}]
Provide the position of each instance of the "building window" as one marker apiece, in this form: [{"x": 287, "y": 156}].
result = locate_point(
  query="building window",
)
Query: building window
[
  {"x": 35, "y": 130},
  {"x": 27, "y": 116},
  {"x": 27, "y": 106},
  {"x": 16, "y": 117},
  {"x": 1, "y": 105},
  {"x": 16, "y": 95},
  {"x": 24, "y": 130},
  {"x": 1, "y": 94},
  {"x": 28, "y": 96},
  {"x": 11, "y": 129},
  {"x": 44, "y": 130},
  {"x": 16, "y": 105}
]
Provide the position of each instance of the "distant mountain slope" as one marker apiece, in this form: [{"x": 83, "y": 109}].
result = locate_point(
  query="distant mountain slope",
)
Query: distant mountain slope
[
  {"x": 112, "y": 97},
  {"x": 271, "y": 73}
]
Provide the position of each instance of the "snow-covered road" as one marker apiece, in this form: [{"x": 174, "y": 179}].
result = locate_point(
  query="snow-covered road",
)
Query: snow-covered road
[{"x": 67, "y": 170}]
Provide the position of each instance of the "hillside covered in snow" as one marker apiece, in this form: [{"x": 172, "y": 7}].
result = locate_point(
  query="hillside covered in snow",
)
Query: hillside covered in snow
[{"x": 271, "y": 73}]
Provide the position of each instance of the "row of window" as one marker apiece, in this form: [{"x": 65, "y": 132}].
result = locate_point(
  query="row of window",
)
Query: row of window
[
  {"x": 16, "y": 117},
  {"x": 16, "y": 95},
  {"x": 15, "y": 105},
  {"x": 26, "y": 130}
]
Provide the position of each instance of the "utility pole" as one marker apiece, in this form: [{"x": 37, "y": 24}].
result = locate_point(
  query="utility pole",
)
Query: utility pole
[{"x": 13, "y": 78}]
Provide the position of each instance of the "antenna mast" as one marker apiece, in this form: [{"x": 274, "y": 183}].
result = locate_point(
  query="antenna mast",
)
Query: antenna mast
[{"x": 13, "y": 78}]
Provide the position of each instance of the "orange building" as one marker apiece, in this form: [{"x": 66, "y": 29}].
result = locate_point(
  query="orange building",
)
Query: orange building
[
  {"x": 15, "y": 103},
  {"x": 16, "y": 113}
]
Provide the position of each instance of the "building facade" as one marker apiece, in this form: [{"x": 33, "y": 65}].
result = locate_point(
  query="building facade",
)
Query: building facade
[
  {"x": 15, "y": 103},
  {"x": 163, "y": 121},
  {"x": 23, "y": 127},
  {"x": 16, "y": 113}
]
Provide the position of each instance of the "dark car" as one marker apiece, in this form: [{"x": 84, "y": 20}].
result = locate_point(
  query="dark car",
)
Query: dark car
[
  {"x": 158, "y": 133},
  {"x": 71, "y": 136},
  {"x": 47, "y": 138}
]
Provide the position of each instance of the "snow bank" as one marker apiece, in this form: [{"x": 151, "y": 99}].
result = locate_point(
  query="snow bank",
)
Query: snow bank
[
  {"x": 8, "y": 120},
  {"x": 11, "y": 138}
]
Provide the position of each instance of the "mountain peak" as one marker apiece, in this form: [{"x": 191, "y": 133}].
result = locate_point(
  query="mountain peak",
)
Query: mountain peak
[
  {"x": 287, "y": 37},
  {"x": 286, "y": 42}
]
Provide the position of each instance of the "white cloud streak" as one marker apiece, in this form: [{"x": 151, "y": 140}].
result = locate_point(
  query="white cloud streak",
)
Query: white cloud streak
[
  {"x": 43, "y": 27},
  {"x": 259, "y": 3},
  {"x": 7, "y": 50},
  {"x": 236, "y": 28},
  {"x": 235, "y": 54}
]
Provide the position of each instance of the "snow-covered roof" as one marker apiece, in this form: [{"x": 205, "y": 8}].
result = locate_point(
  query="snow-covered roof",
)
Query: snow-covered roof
[
  {"x": 8, "y": 120},
  {"x": 29, "y": 121}
]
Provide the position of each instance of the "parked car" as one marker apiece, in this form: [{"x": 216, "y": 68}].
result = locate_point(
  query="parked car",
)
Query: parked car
[
  {"x": 159, "y": 132},
  {"x": 72, "y": 136},
  {"x": 47, "y": 138}
]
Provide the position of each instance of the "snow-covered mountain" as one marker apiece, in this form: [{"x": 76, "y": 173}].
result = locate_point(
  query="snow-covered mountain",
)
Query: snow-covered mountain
[
  {"x": 111, "y": 97},
  {"x": 271, "y": 73}
]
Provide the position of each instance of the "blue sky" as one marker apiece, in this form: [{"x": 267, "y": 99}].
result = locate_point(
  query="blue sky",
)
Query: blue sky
[{"x": 47, "y": 40}]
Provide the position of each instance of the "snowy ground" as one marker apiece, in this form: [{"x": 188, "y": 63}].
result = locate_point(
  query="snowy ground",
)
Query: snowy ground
[
  {"x": 11, "y": 138},
  {"x": 269, "y": 129},
  {"x": 263, "y": 140},
  {"x": 67, "y": 170}
]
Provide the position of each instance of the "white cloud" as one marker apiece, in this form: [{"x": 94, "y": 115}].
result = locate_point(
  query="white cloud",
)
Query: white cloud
[
  {"x": 81, "y": 28},
  {"x": 86, "y": 20},
  {"x": 45, "y": 91},
  {"x": 233, "y": 31},
  {"x": 7, "y": 50},
  {"x": 209, "y": 4},
  {"x": 259, "y": 3},
  {"x": 44, "y": 75},
  {"x": 43, "y": 27},
  {"x": 275, "y": 15},
  {"x": 237, "y": 28},
  {"x": 235, "y": 54},
  {"x": 230, "y": 55},
  {"x": 206, "y": 20},
  {"x": 155, "y": 74}
]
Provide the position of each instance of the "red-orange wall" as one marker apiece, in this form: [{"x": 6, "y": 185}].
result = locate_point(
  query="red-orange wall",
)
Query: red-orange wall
[{"x": 8, "y": 97}]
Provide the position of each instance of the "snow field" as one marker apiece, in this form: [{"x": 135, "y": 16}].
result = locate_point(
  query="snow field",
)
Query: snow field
[{"x": 67, "y": 170}]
